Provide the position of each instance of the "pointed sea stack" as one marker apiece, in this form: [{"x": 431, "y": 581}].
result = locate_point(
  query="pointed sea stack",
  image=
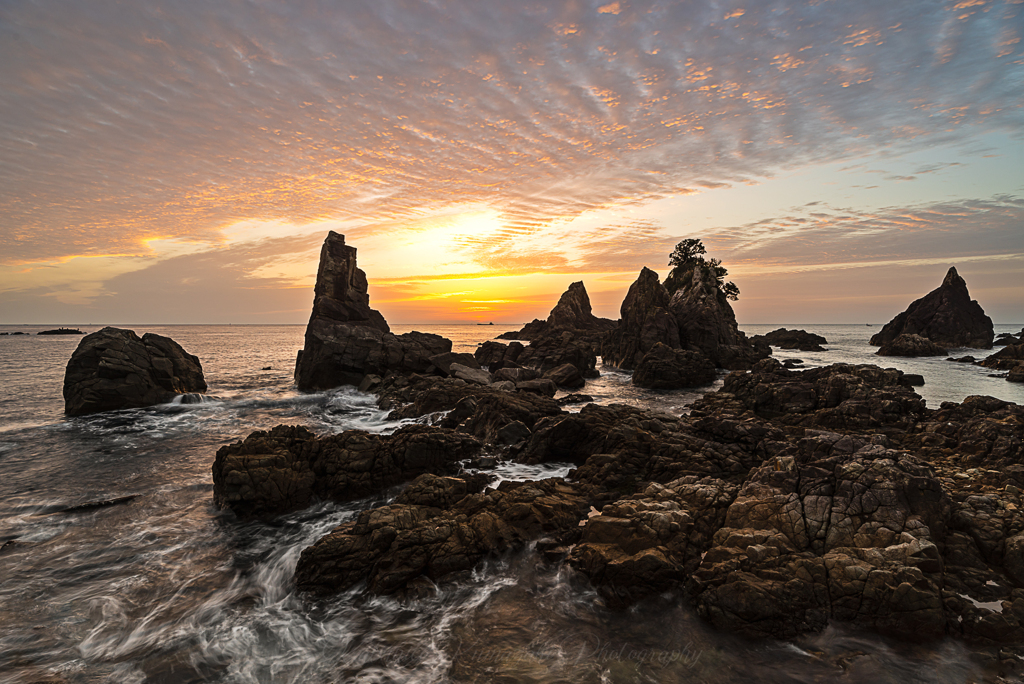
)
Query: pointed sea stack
[
  {"x": 346, "y": 340},
  {"x": 572, "y": 312},
  {"x": 947, "y": 316}
]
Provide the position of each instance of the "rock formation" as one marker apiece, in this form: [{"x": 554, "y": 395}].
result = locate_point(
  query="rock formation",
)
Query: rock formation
[
  {"x": 911, "y": 345},
  {"x": 947, "y": 316},
  {"x": 346, "y": 340},
  {"x": 114, "y": 368},
  {"x": 666, "y": 368},
  {"x": 697, "y": 318},
  {"x": 793, "y": 339},
  {"x": 572, "y": 312}
]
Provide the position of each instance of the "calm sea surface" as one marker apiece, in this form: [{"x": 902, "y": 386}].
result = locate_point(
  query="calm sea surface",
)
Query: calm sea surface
[{"x": 164, "y": 588}]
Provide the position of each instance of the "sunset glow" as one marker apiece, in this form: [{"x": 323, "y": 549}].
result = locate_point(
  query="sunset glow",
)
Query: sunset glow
[{"x": 183, "y": 162}]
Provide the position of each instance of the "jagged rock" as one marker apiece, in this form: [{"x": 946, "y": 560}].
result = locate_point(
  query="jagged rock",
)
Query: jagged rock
[
  {"x": 541, "y": 386},
  {"x": 288, "y": 467},
  {"x": 114, "y": 368},
  {"x": 572, "y": 312},
  {"x": 513, "y": 433},
  {"x": 1004, "y": 339},
  {"x": 665, "y": 368},
  {"x": 390, "y": 546},
  {"x": 346, "y": 339},
  {"x": 474, "y": 375},
  {"x": 516, "y": 374},
  {"x": 707, "y": 323},
  {"x": 550, "y": 351},
  {"x": 793, "y": 339},
  {"x": 946, "y": 316},
  {"x": 567, "y": 376},
  {"x": 1007, "y": 358},
  {"x": 645, "y": 321},
  {"x": 496, "y": 355},
  {"x": 911, "y": 345}
]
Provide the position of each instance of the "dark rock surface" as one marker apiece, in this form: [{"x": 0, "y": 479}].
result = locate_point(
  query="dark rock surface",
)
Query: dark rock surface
[
  {"x": 793, "y": 339},
  {"x": 947, "y": 316},
  {"x": 572, "y": 312},
  {"x": 345, "y": 339},
  {"x": 911, "y": 345},
  {"x": 61, "y": 331},
  {"x": 114, "y": 368},
  {"x": 1007, "y": 358},
  {"x": 566, "y": 375},
  {"x": 1004, "y": 339},
  {"x": 666, "y": 368},
  {"x": 288, "y": 467},
  {"x": 645, "y": 321}
]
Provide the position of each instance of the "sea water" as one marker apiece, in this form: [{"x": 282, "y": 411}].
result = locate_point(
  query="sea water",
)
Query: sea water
[{"x": 116, "y": 567}]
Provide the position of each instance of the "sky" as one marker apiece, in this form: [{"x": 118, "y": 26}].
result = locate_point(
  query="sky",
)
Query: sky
[{"x": 182, "y": 161}]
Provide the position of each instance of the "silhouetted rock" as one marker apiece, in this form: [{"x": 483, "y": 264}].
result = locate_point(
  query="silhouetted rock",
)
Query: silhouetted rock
[
  {"x": 911, "y": 345},
  {"x": 288, "y": 467},
  {"x": 645, "y": 321},
  {"x": 572, "y": 312},
  {"x": 114, "y": 368},
  {"x": 793, "y": 339},
  {"x": 345, "y": 339},
  {"x": 665, "y": 368},
  {"x": 61, "y": 331},
  {"x": 566, "y": 375},
  {"x": 947, "y": 316}
]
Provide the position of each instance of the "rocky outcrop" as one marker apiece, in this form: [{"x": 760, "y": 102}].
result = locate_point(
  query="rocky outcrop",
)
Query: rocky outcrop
[
  {"x": 572, "y": 312},
  {"x": 61, "y": 331},
  {"x": 549, "y": 351},
  {"x": 345, "y": 339},
  {"x": 645, "y": 321},
  {"x": 911, "y": 345},
  {"x": 435, "y": 528},
  {"x": 793, "y": 339},
  {"x": 947, "y": 316},
  {"x": 1004, "y": 339},
  {"x": 1007, "y": 358},
  {"x": 114, "y": 368},
  {"x": 667, "y": 369},
  {"x": 288, "y": 468}
]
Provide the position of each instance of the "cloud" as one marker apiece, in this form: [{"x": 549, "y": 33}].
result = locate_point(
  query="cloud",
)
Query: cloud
[{"x": 120, "y": 123}]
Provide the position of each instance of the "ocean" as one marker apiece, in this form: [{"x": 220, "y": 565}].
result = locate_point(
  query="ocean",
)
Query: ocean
[{"x": 116, "y": 567}]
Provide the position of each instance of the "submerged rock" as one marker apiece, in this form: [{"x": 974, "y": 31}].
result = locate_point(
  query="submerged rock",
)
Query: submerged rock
[
  {"x": 345, "y": 339},
  {"x": 946, "y": 316},
  {"x": 114, "y": 368}
]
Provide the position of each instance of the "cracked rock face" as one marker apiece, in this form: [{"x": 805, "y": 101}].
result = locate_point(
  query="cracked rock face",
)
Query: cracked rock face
[
  {"x": 947, "y": 316},
  {"x": 114, "y": 368},
  {"x": 345, "y": 339}
]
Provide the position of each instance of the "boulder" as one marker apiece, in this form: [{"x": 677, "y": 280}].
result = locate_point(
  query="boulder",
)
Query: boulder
[
  {"x": 551, "y": 350},
  {"x": 666, "y": 368},
  {"x": 475, "y": 375},
  {"x": 947, "y": 316},
  {"x": 114, "y": 368},
  {"x": 443, "y": 362},
  {"x": 566, "y": 376},
  {"x": 1016, "y": 374},
  {"x": 346, "y": 339},
  {"x": 1007, "y": 358},
  {"x": 288, "y": 468},
  {"x": 496, "y": 355},
  {"x": 911, "y": 345}
]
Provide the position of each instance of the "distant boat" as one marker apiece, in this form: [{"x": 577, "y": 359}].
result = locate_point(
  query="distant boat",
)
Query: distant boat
[{"x": 485, "y": 323}]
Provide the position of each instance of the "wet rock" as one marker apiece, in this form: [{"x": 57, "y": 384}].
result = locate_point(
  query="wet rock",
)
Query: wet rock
[
  {"x": 911, "y": 345},
  {"x": 474, "y": 375},
  {"x": 345, "y": 338},
  {"x": 1016, "y": 374},
  {"x": 794, "y": 339},
  {"x": 513, "y": 433},
  {"x": 666, "y": 368},
  {"x": 541, "y": 386},
  {"x": 443, "y": 362},
  {"x": 551, "y": 351},
  {"x": 963, "y": 359},
  {"x": 574, "y": 399},
  {"x": 114, "y": 368},
  {"x": 390, "y": 546},
  {"x": 516, "y": 374},
  {"x": 566, "y": 375},
  {"x": 288, "y": 468},
  {"x": 947, "y": 316},
  {"x": 1007, "y": 358}
]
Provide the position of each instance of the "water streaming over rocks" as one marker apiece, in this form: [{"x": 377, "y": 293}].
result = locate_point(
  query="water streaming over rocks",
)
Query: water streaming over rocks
[{"x": 116, "y": 567}]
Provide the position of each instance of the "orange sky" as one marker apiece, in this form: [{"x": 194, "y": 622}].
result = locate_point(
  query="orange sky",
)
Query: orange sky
[{"x": 182, "y": 162}]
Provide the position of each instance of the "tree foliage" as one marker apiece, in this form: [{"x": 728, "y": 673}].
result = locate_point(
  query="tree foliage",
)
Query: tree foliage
[{"x": 688, "y": 255}]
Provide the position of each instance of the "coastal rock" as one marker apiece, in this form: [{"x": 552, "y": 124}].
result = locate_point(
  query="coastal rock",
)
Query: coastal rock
[
  {"x": 552, "y": 350},
  {"x": 1007, "y": 358},
  {"x": 836, "y": 529},
  {"x": 443, "y": 362},
  {"x": 288, "y": 468},
  {"x": 707, "y": 323},
  {"x": 1004, "y": 339},
  {"x": 496, "y": 355},
  {"x": 947, "y": 316},
  {"x": 474, "y": 375},
  {"x": 645, "y": 321},
  {"x": 572, "y": 312},
  {"x": 566, "y": 375},
  {"x": 911, "y": 345},
  {"x": 665, "y": 368},
  {"x": 1016, "y": 374},
  {"x": 114, "y": 368},
  {"x": 390, "y": 546},
  {"x": 794, "y": 339},
  {"x": 61, "y": 331},
  {"x": 345, "y": 339}
]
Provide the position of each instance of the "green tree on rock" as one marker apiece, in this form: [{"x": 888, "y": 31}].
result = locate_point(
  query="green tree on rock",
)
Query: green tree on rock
[{"x": 687, "y": 256}]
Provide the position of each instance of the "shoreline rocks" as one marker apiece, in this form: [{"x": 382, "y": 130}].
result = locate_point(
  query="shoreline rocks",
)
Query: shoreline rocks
[
  {"x": 800, "y": 340},
  {"x": 946, "y": 316},
  {"x": 114, "y": 368},
  {"x": 911, "y": 345}
]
